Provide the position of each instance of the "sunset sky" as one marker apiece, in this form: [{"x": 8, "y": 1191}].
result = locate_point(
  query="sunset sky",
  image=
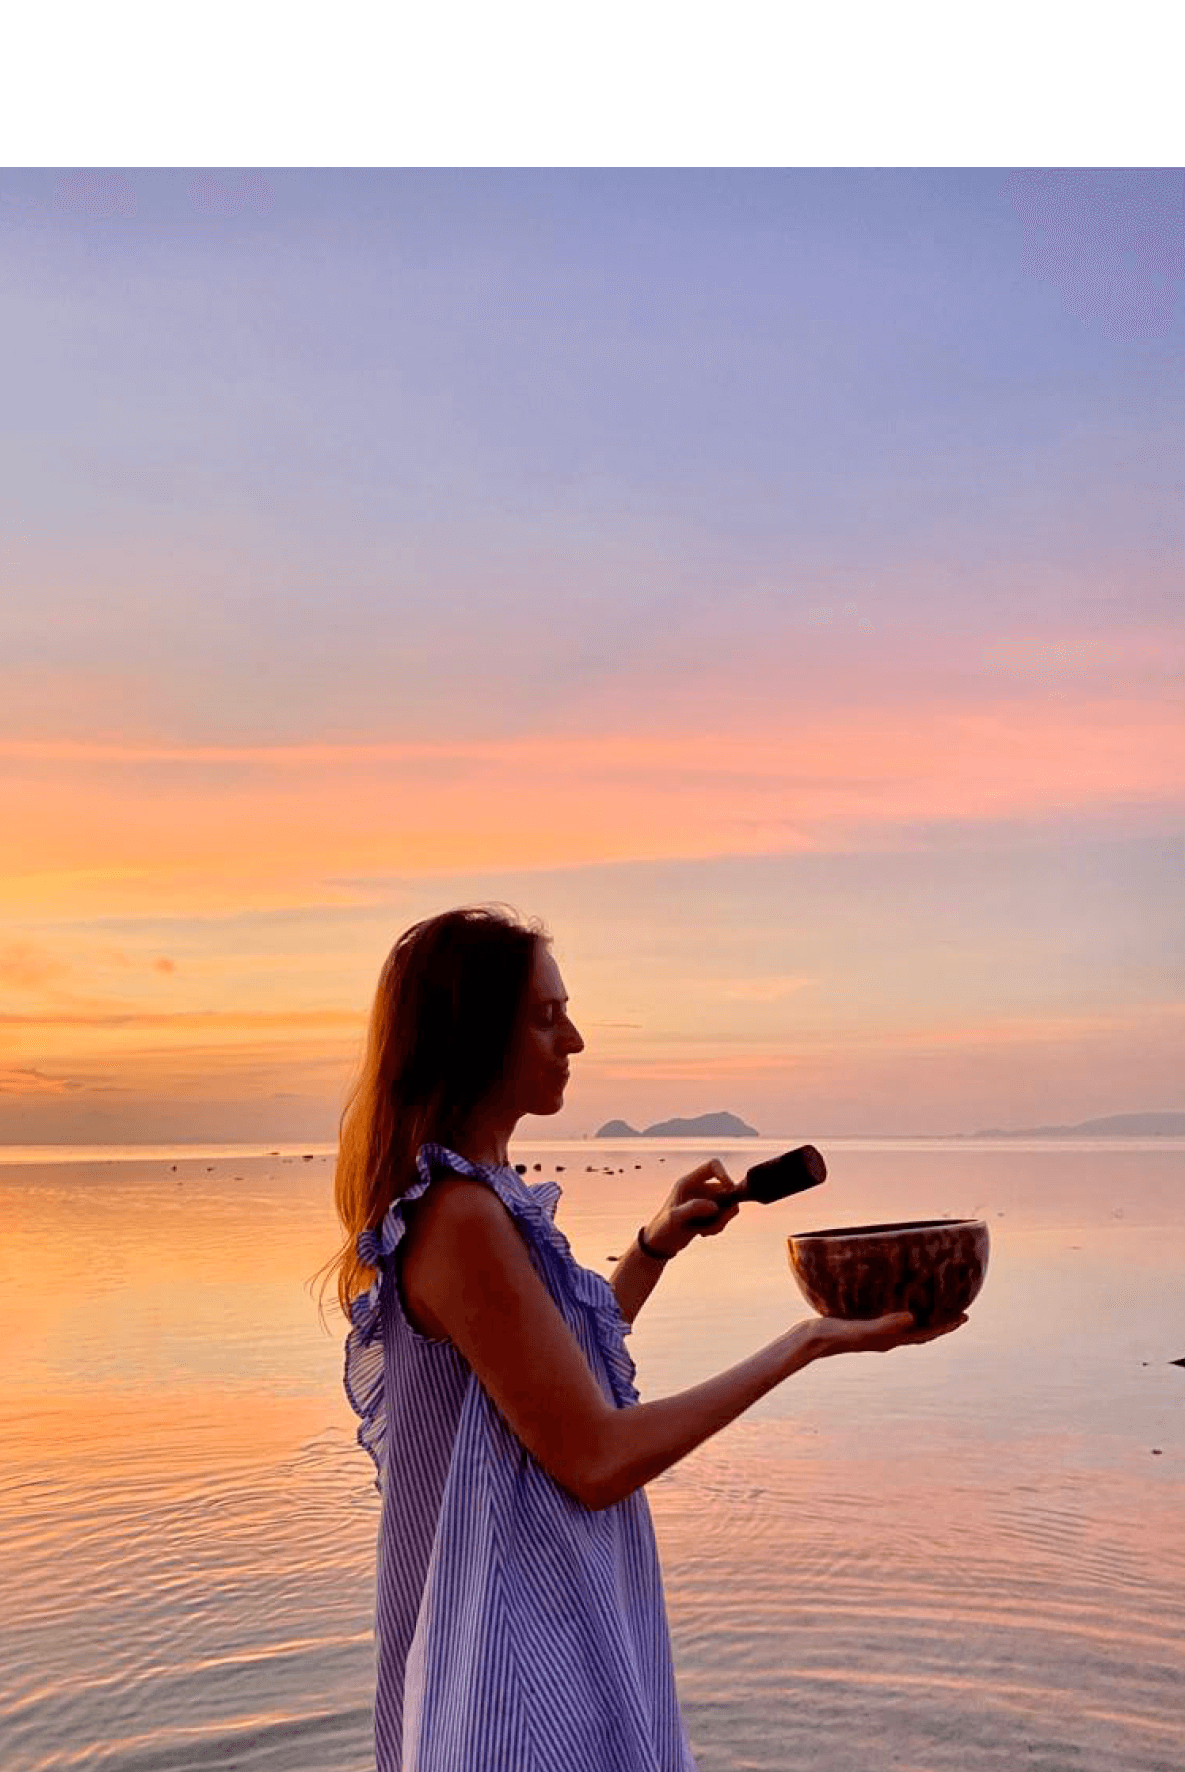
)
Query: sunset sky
[{"x": 771, "y": 579}]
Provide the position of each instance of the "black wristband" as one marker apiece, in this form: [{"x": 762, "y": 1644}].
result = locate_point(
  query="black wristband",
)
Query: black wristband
[{"x": 644, "y": 1246}]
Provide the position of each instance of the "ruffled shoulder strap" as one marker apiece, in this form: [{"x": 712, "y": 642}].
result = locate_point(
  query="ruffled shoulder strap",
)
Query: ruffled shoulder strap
[
  {"x": 363, "y": 1376},
  {"x": 532, "y": 1206}
]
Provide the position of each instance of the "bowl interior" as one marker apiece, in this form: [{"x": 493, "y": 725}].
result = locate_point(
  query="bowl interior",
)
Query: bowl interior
[{"x": 887, "y": 1230}]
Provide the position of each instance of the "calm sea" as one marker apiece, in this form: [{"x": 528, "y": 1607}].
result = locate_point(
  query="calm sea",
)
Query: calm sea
[{"x": 964, "y": 1555}]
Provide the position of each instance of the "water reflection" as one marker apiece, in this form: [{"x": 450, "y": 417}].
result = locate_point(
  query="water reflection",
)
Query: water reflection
[{"x": 966, "y": 1554}]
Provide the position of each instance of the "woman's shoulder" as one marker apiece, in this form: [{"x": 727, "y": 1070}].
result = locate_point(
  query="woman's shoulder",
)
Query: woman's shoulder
[
  {"x": 454, "y": 1208},
  {"x": 466, "y": 1203}
]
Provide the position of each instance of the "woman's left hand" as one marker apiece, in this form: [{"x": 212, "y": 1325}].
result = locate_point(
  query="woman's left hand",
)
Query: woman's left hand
[{"x": 688, "y": 1210}]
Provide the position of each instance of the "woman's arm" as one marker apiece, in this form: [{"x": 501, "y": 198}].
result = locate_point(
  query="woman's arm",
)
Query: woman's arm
[
  {"x": 635, "y": 1276},
  {"x": 689, "y": 1210},
  {"x": 477, "y": 1278}
]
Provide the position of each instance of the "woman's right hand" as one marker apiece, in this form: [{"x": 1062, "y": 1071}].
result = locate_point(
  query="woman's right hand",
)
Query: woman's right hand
[{"x": 850, "y": 1335}]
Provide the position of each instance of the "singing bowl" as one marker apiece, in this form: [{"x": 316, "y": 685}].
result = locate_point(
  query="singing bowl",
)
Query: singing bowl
[{"x": 933, "y": 1267}]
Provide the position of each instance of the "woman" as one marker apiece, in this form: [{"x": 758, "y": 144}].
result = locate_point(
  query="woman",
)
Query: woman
[{"x": 520, "y": 1621}]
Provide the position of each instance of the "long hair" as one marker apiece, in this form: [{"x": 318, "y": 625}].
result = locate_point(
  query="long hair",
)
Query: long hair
[{"x": 450, "y": 997}]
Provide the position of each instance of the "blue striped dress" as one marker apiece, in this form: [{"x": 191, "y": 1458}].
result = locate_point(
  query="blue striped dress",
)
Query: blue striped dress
[{"x": 515, "y": 1629}]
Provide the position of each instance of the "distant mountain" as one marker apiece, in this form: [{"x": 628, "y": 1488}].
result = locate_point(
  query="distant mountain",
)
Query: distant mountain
[
  {"x": 1111, "y": 1125},
  {"x": 1146, "y": 1125},
  {"x": 703, "y": 1126}
]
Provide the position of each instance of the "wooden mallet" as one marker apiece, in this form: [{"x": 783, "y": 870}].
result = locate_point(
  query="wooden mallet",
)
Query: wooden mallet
[{"x": 778, "y": 1178}]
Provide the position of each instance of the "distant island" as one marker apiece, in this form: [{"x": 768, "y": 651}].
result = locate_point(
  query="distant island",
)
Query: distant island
[
  {"x": 703, "y": 1126},
  {"x": 1145, "y": 1125},
  {"x": 1111, "y": 1125}
]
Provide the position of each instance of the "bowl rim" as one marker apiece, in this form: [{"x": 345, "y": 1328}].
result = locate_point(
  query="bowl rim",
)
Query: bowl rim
[{"x": 886, "y": 1230}]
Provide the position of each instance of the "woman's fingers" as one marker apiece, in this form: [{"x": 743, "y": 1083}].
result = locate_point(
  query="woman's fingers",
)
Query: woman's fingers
[
  {"x": 935, "y": 1330},
  {"x": 725, "y": 1218}
]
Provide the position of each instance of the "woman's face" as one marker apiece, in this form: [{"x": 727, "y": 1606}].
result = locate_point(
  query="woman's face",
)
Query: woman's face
[{"x": 547, "y": 1039}]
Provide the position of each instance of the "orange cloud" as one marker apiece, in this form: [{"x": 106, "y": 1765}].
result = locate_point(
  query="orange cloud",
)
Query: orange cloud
[
  {"x": 131, "y": 827},
  {"x": 26, "y": 967},
  {"x": 187, "y": 1020},
  {"x": 761, "y": 990}
]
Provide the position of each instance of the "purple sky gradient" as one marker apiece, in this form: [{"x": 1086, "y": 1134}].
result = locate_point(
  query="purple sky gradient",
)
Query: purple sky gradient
[{"x": 349, "y": 457}]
